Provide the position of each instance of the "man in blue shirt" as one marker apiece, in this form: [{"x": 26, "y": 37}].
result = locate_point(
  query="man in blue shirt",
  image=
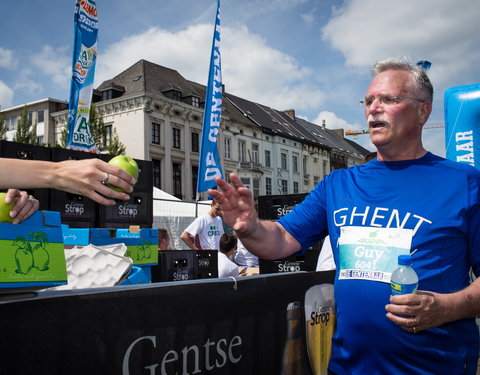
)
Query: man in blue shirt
[{"x": 406, "y": 195}]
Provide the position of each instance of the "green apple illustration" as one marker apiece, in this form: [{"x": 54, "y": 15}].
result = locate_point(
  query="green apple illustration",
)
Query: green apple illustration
[
  {"x": 41, "y": 257},
  {"x": 5, "y": 209},
  {"x": 127, "y": 164},
  {"x": 23, "y": 255}
]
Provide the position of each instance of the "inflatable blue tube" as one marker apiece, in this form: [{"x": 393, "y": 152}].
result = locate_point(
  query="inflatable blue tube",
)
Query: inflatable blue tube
[{"x": 462, "y": 124}]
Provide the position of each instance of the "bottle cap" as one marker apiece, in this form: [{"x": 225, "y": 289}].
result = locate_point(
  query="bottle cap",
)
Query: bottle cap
[{"x": 405, "y": 260}]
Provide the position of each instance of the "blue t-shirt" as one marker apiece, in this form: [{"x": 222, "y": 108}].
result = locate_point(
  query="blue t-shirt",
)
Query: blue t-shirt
[{"x": 440, "y": 201}]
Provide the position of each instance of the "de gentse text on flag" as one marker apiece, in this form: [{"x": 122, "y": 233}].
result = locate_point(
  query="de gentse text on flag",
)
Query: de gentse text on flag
[
  {"x": 209, "y": 163},
  {"x": 83, "y": 69}
]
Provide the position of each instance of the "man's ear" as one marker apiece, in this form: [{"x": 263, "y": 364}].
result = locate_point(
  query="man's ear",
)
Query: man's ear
[{"x": 424, "y": 110}]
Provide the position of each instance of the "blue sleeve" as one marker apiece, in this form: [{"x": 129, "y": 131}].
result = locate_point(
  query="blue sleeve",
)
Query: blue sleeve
[
  {"x": 307, "y": 222},
  {"x": 474, "y": 222}
]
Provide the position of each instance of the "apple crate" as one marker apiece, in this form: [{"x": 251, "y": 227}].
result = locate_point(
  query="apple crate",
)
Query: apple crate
[
  {"x": 32, "y": 253},
  {"x": 142, "y": 246},
  {"x": 75, "y": 236}
]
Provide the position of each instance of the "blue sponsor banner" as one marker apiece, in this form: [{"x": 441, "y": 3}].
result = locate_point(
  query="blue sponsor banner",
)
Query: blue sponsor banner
[
  {"x": 209, "y": 163},
  {"x": 462, "y": 128},
  {"x": 83, "y": 70}
]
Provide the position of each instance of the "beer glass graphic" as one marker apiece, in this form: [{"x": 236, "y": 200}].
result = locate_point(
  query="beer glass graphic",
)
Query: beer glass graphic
[{"x": 320, "y": 324}]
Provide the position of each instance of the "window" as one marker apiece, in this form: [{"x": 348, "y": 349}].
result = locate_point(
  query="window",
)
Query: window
[
  {"x": 256, "y": 188},
  {"x": 40, "y": 139},
  {"x": 305, "y": 164},
  {"x": 324, "y": 168},
  {"x": 284, "y": 187},
  {"x": 12, "y": 122},
  {"x": 228, "y": 147},
  {"x": 295, "y": 187},
  {"x": 242, "y": 151},
  {"x": 268, "y": 162},
  {"x": 107, "y": 137},
  {"x": 29, "y": 117},
  {"x": 255, "y": 153},
  {"x": 195, "y": 142},
  {"x": 155, "y": 133},
  {"x": 295, "y": 163},
  {"x": 40, "y": 116},
  {"x": 156, "y": 173},
  {"x": 107, "y": 94},
  {"x": 195, "y": 101},
  {"x": 176, "y": 95},
  {"x": 268, "y": 186},
  {"x": 177, "y": 180},
  {"x": 245, "y": 181},
  {"x": 194, "y": 181},
  {"x": 176, "y": 138},
  {"x": 284, "y": 160}
]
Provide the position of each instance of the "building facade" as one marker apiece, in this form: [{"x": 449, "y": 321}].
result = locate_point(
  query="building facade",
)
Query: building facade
[{"x": 158, "y": 114}]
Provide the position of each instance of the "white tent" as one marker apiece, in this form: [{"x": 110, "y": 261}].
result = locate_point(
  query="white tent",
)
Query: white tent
[{"x": 175, "y": 215}]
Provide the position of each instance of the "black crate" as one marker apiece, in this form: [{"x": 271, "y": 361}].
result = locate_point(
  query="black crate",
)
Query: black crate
[
  {"x": 306, "y": 262},
  {"x": 206, "y": 262},
  {"x": 174, "y": 265},
  {"x": 273, "y": 207},
  {"x": 15, "y": 150},
  {"x": 145, "y": 174},
  {"x": 137, "y": 210},
  {"x": 76, "y": 210}
]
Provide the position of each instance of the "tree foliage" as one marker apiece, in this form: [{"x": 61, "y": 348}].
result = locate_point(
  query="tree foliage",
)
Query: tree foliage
[
  {"x": 26, "y": 132},
  {"x": 115, "y": 147},
  {"x": 3, "y": 126}
]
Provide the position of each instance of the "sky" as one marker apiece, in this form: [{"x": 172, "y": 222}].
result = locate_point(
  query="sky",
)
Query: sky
[{"x": 313, "y": 56}]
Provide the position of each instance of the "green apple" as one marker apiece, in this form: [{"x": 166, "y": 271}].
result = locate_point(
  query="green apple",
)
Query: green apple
[
  {"x": 127, "y": 164},
  {"x": 5, "y": 209}
]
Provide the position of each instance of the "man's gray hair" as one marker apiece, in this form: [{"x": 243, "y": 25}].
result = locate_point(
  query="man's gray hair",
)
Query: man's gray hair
[{"x": 422, "y": 84}]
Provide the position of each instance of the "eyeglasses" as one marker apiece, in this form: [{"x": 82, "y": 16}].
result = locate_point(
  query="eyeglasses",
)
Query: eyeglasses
[{"x": 385, "y": 100}]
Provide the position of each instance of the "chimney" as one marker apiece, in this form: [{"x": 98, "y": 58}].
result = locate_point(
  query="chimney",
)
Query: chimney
[{"x": 290, "y": 113}]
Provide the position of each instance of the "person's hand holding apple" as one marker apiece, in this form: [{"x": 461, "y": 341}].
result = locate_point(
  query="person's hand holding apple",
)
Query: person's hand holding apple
[
  {"x": 16, "y": 206},
  {"x": 126, "y": 163}
]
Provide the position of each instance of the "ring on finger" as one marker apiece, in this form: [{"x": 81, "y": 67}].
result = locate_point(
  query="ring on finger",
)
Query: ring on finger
[
  {"x": 31, "y": 199},
  {"x": 414, "y": 329},
  {"x": 105, "y": 181}
]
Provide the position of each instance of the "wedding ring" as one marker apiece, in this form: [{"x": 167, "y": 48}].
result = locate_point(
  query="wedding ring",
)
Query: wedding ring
[
  {"x": 106, "y": 179},
  {"x": 31, "y": 199}
]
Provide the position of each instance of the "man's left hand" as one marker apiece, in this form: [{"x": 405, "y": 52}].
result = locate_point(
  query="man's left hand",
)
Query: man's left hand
[{"x": 417, "y": 312}]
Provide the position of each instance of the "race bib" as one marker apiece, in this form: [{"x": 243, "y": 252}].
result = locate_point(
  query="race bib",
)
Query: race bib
[{"x": 369, "y": 253}]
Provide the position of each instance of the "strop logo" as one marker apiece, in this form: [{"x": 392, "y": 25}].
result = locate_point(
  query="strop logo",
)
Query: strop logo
[
  {"x": 128, "y": 210},
  {"x": 78, "y": 209},
  {"x": 289, "y": 267},
  {"x": 28, "y": 257}
]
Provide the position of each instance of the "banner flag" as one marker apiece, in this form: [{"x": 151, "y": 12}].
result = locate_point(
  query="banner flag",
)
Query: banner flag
[
  {"x": 83, "y": 70},
  {"x": 462, "y": 128},
  {"x": 209, "y": 162}
]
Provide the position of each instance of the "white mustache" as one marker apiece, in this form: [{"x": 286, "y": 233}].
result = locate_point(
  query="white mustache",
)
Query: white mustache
[{"x": 381, "y": 118}]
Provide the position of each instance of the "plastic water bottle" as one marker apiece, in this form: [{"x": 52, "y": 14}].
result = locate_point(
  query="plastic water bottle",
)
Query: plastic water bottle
[{"x": 404, "y": 279}]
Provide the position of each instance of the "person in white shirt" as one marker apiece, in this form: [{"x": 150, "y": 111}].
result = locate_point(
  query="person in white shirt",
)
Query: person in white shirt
[
  {"x": 245, "y": 258},
  {"x": 228, "y": 246},
  {"x": 208, "y": 228}
]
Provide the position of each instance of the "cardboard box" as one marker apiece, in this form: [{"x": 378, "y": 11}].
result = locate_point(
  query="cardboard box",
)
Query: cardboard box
[
  {"x": 75, "y": 236},
  {"x": 32, "y": 253},
  {"x": 142, "y": 246}
]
